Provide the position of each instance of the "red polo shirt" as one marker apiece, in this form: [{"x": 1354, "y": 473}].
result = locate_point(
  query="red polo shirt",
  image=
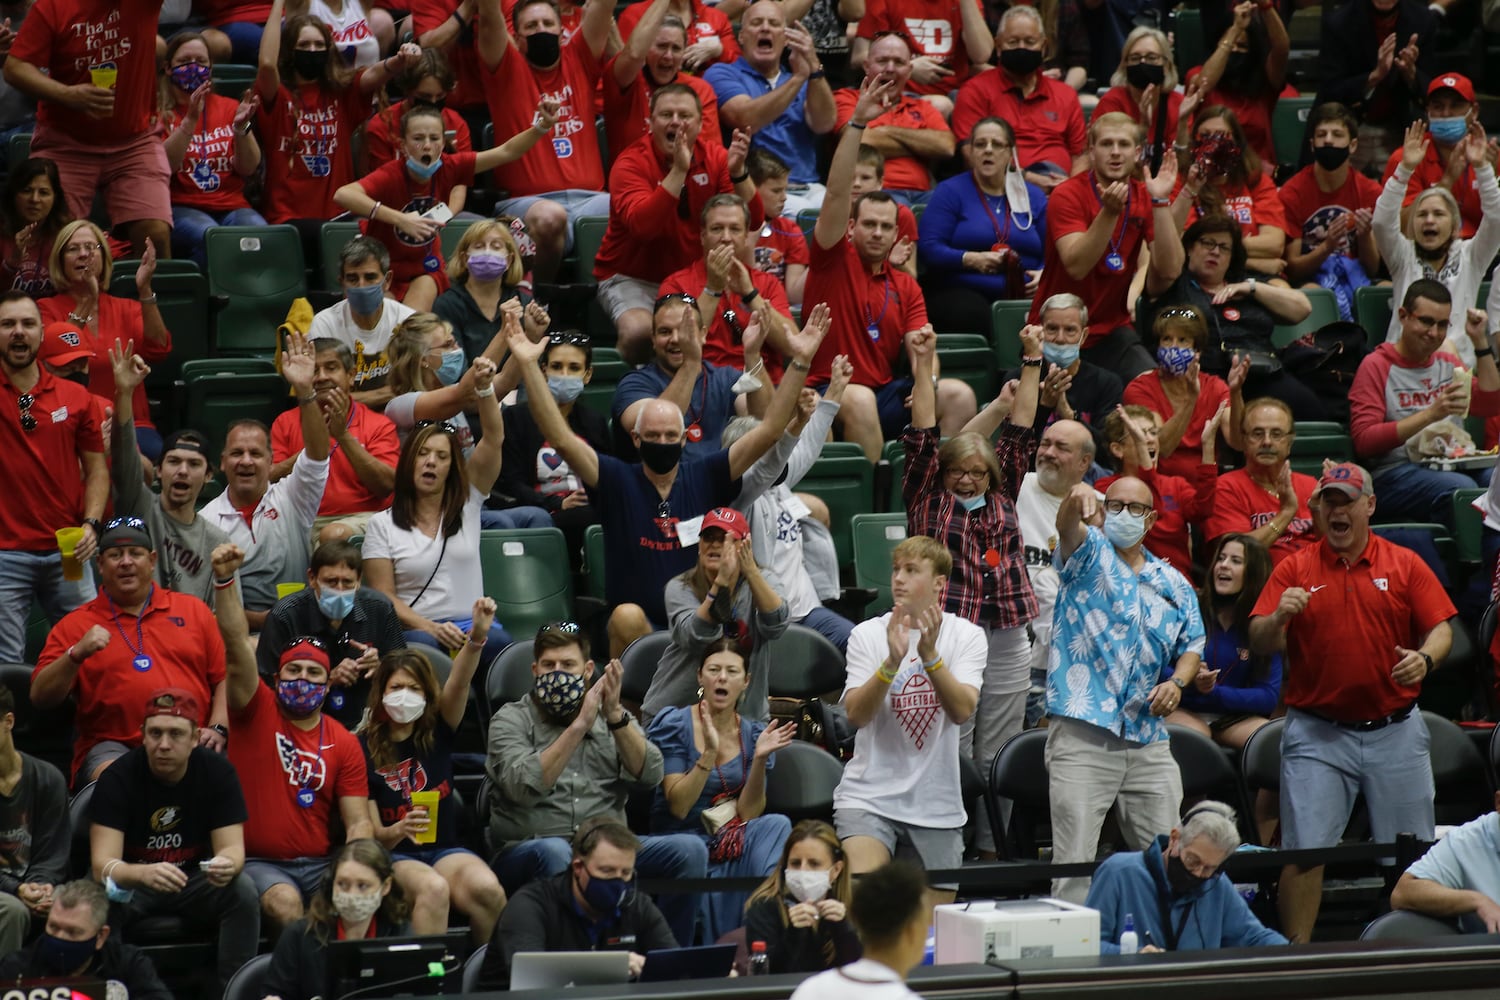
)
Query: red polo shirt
[
  {"x": 176, "y": 632},
  {"x": 344, "y": 494},
  {"x": 890, "y": 301},
  {"x": 44, "y": 482},
  {"x": 627, "y": 109},
  {"x": 1340, "y": 650},
  {"x": 1048, "y": 124},
  {"x": 1071, "y": 207},
  {"x": 934, "y": 28},
  {"x": 1427, "y": 175},
  {"x": 723, "y": 347},
  {"x": 904, "y": 173}
]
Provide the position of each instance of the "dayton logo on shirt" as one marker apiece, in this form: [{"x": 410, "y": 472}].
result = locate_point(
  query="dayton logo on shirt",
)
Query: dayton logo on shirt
[
  {"x": 933, "y": 36},
  {"x": 406, "y": 777},
  {"x": 303, "y": 769}
]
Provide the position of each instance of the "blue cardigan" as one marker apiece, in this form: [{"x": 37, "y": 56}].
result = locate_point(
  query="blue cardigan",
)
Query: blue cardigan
[
  {"x": 1212, "y": 916},
  {"x": 956, "y": 222}
]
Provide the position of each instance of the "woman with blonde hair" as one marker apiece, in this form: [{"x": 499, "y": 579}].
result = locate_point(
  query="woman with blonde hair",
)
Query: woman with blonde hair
[
  {"x": 800, "y": 912},
  {"x": 486, "y": 277},
  {"x": 1144, "y": 86}
]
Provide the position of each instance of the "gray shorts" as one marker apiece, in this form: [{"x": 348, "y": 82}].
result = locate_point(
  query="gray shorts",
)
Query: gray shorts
[
  {"x": 304, "y": 873},
  {"x": 619, "y": 293},
  {"x": 935, "y": 848},
  {"x": 102, "y": 752},
  {"x": 577, "y": 202}
]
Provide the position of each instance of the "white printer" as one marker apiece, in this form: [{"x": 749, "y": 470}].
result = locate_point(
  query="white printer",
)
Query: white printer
[{"x": 981, "y": 930}]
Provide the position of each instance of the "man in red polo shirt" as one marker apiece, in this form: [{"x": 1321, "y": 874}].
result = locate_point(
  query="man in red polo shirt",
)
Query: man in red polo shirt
[
  {"x": 362, "y": 468},
  {"x": 54, "y": 461},
  {"x": 874, "y": 307},
  {"x": 1451, "y": 108},
  {"x": 1266, "y": 499},
  {"x": 651, "y": 58},
  {"x": 949, "y": 39},
  {"x": 1044, "y": 113},
  {"x": 910, "y": 133},
  {"x": 1098, "y": 223},
  {"x": 132, "y": 639},
  {"x": 554, "y": 183},
  {"x": 659, "y": 186},
  {"x": 1362, "y": 621}
]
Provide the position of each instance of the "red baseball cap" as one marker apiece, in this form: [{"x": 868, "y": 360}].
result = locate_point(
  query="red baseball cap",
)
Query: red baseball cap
[
  {"x": 1456, "y": 82},
  {"x": 175, "y": 701},
  {"x": 727, "y": 519},
  {"x": 1349, "y": 479},
  {"x": 62, "y": 344}
]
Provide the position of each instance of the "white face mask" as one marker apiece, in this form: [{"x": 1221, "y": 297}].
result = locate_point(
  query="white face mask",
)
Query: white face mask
[
  {"x": 404, "y": 705},
  {"x": 356, "y": 907},
  {"x": 805, "y": 885}
]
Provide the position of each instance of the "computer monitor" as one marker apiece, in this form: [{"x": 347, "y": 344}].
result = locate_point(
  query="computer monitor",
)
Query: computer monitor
[
  {"x": 709, "y": 961},
  {"x": 385, "y": 967},
  {"x": 545, "y": 970},
  {"x": 55, "y": 988}
]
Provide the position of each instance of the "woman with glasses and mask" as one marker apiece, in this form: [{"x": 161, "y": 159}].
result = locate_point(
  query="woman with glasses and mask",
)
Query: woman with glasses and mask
[
  {"x": 725, "y": 594},
  {"x": 1240, "y": 314},
  {"x": 81, "y": 267},
  {"x": 714, "y": 763},
  {"x": 982, "y": 233},
  {"x": 801, "y": 911},
  {"x": 1144, "y": 86},
  {"x": 423, "y": 552},
  {"x": 408, "y": 741},
  {"x": 485, "y": 284}
]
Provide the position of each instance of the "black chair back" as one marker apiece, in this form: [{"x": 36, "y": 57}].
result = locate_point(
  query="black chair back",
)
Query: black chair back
[
  {"x": 1018, "y": 772},
  {"x": 806, "y": 665}
]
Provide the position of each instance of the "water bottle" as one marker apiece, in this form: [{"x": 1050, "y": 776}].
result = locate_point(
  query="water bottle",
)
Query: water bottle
[
  {"x": 760, "y": 962},
  {"x": 1129, "y": 944}
]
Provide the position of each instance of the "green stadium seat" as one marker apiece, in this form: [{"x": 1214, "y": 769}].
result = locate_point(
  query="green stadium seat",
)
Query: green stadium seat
[
  {"x": 593, "y": 559},
  {"x": 609, "y": 368},
  {"x": 1325, "y": 310},
  {"x": 846, "y": 483},
  {"x": 874, "y": 536},
  {"x": 233, "y": 79},
  {"x": 1007, "y": 318},
  {"x": 258, "y": 272},
  {"x": 1372, "y": 307},
  {"x": 1468, "y": 526},
  {"x": 331, "y": 241},
  {"x": 894, "y": 456},
  {"x": 1288, "y": 124},
  {"x": 588, "y": 237},
  {"x": 1319, "y": 427},
  {"x": 452, "y": 233},
  {"x": 18, "y": 149},
  {"x": 968, "y": 356},
  {"x": 199, "y": 367},
  {"x": 214, "y": 401},
  {"x": 183, "y": 300},
  {"x": 1187, "y": 37},
  {"x": 527, "y": 573},
  {"x": 1309, "y": 450}
]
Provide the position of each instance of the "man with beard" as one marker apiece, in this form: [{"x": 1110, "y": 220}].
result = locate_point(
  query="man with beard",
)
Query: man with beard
[
  {"x": 568, "y": 752},
  {"x": 55, "y": 462},
  {"x": 1363, "y": 621},
  {"x": 1266, "y": 499},
  {"x": 652, "y": 58}
]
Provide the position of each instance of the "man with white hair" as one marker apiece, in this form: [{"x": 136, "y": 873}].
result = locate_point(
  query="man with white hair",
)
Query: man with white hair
[{"x": 1175, "y": 892}]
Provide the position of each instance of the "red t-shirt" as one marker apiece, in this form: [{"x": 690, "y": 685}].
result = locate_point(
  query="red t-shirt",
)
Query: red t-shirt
[
  {"x": 781, "y": 243},
  {"x": 45, "y": 499},
  {"x": 207, "y": 179},
  {"x": 933, "y": 28},
  {"x": 276, "y": 760},
  {"x": 1341, "y": 648},
  {"x": 383, "y": 140},
  {"x": 571, "y": 159},
  {"x": 1119, "y": 99},
  {"x": 1179, "y": 502},
  {"x": 344, "y": 494},
  {"x": 891, "y": 302},
  {"x": 1071, "y": 208},
  {"x": 305, "y": 137},
  {"x": 70, "y": 38},
  {"x": 1146, "y": 390},
  {"x": 463, "y": 54},
  {"x": 652, "y": 233},
  {"x": 1252, "y": 206},
  {"x": 904, "y": 173},
  {"x": 391, "y": 185},
  {"x": 627, "y": 111},
  {"x": 1427, "y": 175},
  {"x": 723, "y": 347},
  {"x": 1309, "y": 212},
  {"x": 177, "y": 633},
  {"x": 708, "y": 22},
  {"x": 1244, "y": 506},
  {"x": 119, "y": 319},
  {"x": 217, "y": 12},
  {"x": 1048, "y": 125}
]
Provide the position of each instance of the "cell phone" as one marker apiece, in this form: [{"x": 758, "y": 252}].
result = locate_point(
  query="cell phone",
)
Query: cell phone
[
  {"x": 450, "y": 134},
  {"x": 439, "y": 213}
]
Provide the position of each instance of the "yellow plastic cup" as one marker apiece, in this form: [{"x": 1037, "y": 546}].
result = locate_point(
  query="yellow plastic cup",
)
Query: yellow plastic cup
[
  {"x": 288, "y": 589},
  {"x": 67, "y": 542},
  {"x": 429, "y": 801},
  {"x": 105, "y": 76}
]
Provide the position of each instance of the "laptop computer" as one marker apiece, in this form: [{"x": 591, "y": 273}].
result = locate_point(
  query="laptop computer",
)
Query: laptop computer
[
  {"x": 711, "y": 961},
  {"x": 540, "y": 970}
]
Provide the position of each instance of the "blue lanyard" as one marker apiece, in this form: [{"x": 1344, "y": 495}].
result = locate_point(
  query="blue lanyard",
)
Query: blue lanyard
[{"x": 139, "y": 649}]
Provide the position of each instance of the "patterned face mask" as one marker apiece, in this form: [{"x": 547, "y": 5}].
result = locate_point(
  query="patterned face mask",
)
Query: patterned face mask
[{"x": 559, "y": 693}]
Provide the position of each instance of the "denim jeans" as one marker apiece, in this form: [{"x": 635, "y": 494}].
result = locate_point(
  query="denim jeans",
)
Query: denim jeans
[
  {"x": 830, "y": 625},
  {"x": 35, "y": 576},
  {"x": 515, "y": 517},
  {"x": 765, "y": 836},
  {"x": 1410, "y": 492},
  {"x": 190, "y": 224},
  {"x": 234, "y": 907}
]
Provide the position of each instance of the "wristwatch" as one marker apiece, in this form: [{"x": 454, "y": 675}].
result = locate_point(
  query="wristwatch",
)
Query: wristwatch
[
  {"x": 1430, "y": 665},
  {"x": 93, "y": 522},
  {"x": 1179, "y": 682}
]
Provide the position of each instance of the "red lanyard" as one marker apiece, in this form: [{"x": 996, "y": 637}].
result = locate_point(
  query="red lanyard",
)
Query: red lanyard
[{"x": 984, "y": 199}]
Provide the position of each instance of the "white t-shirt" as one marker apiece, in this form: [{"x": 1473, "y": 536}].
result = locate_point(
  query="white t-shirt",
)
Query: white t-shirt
[
  {"x": 787, "y": 555},
  {"x": 860, "y": 980},
  {"x": 352, "y": 36},
  {"x": 905, "y": 763},
  {"x": 458, "y": 582},
  {"x": 1036, "y": 510},
  {"x": 371, "y": 365},
  {"x": 402, "y": 412}
]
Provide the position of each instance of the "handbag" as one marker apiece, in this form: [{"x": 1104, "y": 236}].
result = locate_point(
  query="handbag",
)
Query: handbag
[{"x": 722, "y": 821}]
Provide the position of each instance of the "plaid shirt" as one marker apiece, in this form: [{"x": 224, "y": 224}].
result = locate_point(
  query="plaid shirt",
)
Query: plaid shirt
[{"x": 993, "y": 591}]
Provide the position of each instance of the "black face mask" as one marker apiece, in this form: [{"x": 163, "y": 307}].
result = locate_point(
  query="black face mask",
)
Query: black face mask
[
  {"x": 1143, "y": 75},
  {"x": 1020, "y": 62},
  {"x": 1179, "y": 879},
  {"x": 659, "y": 457},
  {"x": 1237, "y": 66},
  {"x": 78, "y": 378},
  {"x": 1331, "y": 157},
  {"x": 543, "y": 49},
  {"x": 310, "y": 64}
]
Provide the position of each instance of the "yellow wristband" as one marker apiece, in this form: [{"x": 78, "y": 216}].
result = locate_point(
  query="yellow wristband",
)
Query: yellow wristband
[{"x": 934, "y": 666}]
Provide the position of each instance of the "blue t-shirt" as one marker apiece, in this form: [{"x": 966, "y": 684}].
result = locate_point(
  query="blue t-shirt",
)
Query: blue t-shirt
[
  {"x": 711, "y": 408},
  {"x": 391, "y": 787},
  {"x": 641, "y": 550},
  {"x": 788, "y": 135},
  {"x": 672, "y": 732}
]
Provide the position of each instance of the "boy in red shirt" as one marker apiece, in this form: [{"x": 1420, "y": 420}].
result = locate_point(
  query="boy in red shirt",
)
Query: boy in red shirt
[
  {"x": 782, "y": 248},
  {"x": 1328, "y": 204}
]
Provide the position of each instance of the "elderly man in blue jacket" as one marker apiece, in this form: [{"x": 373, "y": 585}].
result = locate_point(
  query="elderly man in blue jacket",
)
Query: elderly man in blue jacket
[{"x": 1179, "y": 899}]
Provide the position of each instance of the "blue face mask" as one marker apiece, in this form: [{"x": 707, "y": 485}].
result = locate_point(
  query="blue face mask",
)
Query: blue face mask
[
  {"x": 62, "y": 956},
  {"x": 565, "y": 388},
  {"x": 1175, "y": 360},
  {"x": 424, "y": 170},
  {"x": 452, "y": 368},
  {"x": 1448, "y": 131},
  {"x": 365, "y": 301},
  {"x": 606, "y": 895},
  {"x": 1124, "y": 529},
  {"x": 1061, "y": 355},
  {"x": 971, "y": 504},
  {"x": 335, "y": 604}
]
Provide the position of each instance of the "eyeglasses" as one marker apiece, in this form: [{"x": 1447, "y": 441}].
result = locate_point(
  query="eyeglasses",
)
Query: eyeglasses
[
  {"x": 83, "y": 250},
  {"x": 982, "y": 144},
  {"x": 1135, "y": 509},
  {"x": 310, "y": 640},
  {"x": 1209, "y": 244},
  {"x": 675, "y": 297},
  {"x": 125, "y": 522},
  {"x": 663, "y": 510},
  {"x": 1149, "y": 59},
  {"x": 27, "y": 401},
  {"x": 974, "y": 475}
]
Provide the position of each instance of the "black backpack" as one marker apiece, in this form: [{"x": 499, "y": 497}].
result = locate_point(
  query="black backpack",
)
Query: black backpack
[{"x": 1325, "y": 361}]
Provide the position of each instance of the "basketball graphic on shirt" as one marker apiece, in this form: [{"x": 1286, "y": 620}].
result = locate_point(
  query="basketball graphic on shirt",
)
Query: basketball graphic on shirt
[
  {"x": 916, "y": 706},
  {"x": 419, "y": 204}
]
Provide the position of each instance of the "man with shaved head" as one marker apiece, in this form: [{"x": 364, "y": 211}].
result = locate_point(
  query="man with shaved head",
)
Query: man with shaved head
[{"x": 1127, "y": 637}]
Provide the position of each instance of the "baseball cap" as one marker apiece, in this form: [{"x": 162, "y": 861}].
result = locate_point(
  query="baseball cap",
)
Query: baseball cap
[
  {"x": 305, "y": 648},
  {"x": 187, "y": 440},
  {"x": 1349, "y": 479},
  {"x": 727, "y": 519},
  {"x": 174, "y": 701},
  {"x": 62, "y": 344},
  {"x": 125, "y": 531},
  {"x": 1456, "y": 82}
]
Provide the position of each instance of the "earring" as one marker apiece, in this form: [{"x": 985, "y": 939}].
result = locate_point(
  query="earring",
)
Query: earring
[{"x": 699, "y": 696}]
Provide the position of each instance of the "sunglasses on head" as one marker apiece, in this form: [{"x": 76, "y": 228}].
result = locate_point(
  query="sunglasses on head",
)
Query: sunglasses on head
[
  {"x": 125, "y": 522},
  {"x": 27, "y": 401},
  {"x": 675, "y": 297}
]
